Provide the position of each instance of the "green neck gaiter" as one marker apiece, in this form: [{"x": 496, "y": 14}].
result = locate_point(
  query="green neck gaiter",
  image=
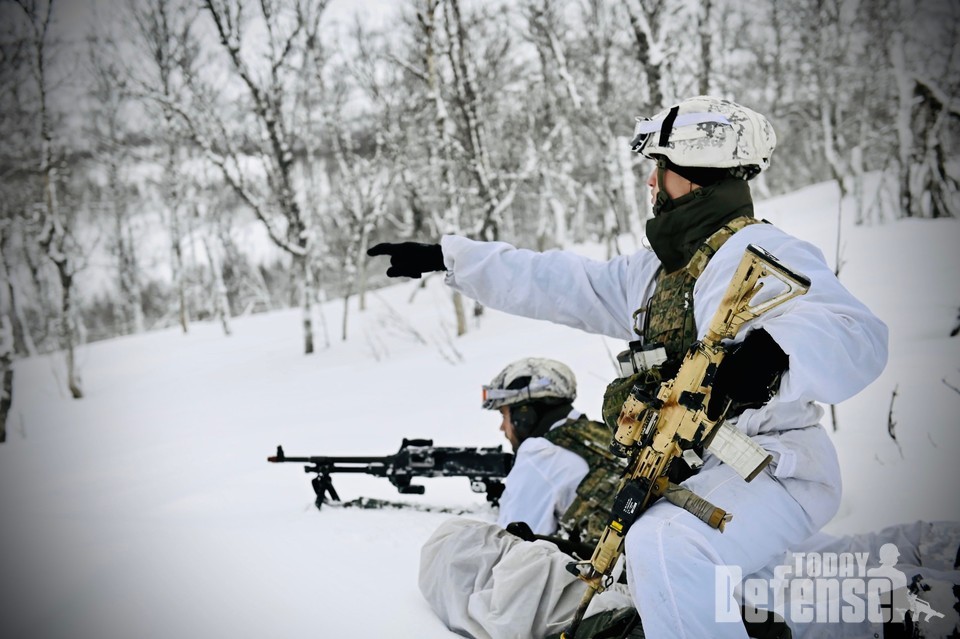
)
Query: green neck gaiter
[{"x": 681, "y": 225}]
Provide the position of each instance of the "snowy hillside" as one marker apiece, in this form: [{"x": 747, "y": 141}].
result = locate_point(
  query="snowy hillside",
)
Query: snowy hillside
[{"x": 148, "y": 509}]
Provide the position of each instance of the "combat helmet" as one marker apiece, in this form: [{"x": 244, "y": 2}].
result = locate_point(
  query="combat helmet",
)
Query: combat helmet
[
  {"x": 538, "y": 392},
  {"x": 709, "y": 133}
]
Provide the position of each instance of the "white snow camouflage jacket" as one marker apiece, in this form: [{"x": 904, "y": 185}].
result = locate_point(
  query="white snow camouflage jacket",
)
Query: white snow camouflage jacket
[{"x": 836, "y": 345}]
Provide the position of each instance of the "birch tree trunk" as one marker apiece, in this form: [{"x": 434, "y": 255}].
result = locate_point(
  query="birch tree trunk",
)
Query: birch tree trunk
[
  {"x": 903, "y": 120},
  {"x": 107, "y": 120},
  {"x": 268, "y": 97},
  {"x": 706, "y": 40},
  {"x": 7, "y": 341},
  {"x": 54, "y": 236},
  {"x": 221, "y": 302},
  {"x": 6, "y": 373},
  {"x": 68, "y": 328},
  {"x": 290, "y": 33},
  {"x": 645, "y": 23},
  {"x": 308, "y": 294},
  {"x": 22, "y": 340},
  {"x": 172, "y": 193},
  {"x": 131, "y": 297},
  {"x": 467, "y": 102},
  {"x": 440, "y": 150}
]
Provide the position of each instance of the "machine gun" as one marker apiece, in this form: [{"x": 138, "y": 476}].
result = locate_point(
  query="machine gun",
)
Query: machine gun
[
  {"x": 484, "y": 467},
  {"x": 655, "y": 429}
]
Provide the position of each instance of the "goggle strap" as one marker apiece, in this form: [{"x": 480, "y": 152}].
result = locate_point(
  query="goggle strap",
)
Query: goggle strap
[
  {"x": 646, "y": 125},
  {"x": 490, "y": 392}
]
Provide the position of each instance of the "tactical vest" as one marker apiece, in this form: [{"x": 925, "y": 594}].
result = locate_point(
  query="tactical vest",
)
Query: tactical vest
[
  {"x": 668, "y": 317},
  {"x": 587, "y": 516}
]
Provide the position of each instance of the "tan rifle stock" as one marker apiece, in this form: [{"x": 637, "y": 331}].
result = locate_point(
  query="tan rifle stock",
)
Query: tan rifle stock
[{"x": 655, "y": 430}]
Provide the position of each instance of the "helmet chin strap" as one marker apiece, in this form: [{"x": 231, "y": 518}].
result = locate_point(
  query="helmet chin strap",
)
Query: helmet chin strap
[{"x": 663, "y": 198}]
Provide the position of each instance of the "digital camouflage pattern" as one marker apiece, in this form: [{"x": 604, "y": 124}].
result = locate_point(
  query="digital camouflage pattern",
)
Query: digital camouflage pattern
[
  {"x": 587, "y": 516},
  {"x": 668, "y": 320}
]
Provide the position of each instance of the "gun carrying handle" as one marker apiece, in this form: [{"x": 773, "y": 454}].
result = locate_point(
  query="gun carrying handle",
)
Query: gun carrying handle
[{"x": 417, "y": 443}]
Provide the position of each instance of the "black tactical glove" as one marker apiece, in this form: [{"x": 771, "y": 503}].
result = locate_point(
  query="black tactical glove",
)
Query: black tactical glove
[
  {"x": 410, "y": 259},
  {"x": 749, "y": 374}
]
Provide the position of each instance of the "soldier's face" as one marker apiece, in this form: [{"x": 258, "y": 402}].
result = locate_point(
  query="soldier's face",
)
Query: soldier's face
[
  {"x": 506, "y": 426},
  {"x": 673, "y": 184}
]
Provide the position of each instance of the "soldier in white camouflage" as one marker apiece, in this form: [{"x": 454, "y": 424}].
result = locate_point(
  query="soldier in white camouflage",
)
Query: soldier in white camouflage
[
  {"x": 493, "y": 581},
  {"x": 820, "y": 348},
  {"x": 564, "y": 476}
]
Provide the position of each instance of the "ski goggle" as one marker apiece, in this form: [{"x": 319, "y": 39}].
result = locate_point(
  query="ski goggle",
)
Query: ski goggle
[
  {"x": 645, "y": 127},
  {"x": 493, "y": 394}
]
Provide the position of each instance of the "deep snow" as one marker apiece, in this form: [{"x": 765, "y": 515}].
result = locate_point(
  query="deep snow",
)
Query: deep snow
[{"x": 148, "y": 509}]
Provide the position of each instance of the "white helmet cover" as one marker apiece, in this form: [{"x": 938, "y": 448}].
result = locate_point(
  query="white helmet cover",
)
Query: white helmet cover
[
  {"x": 548, "y": 379},
  {"x": 708, "y": 132}
]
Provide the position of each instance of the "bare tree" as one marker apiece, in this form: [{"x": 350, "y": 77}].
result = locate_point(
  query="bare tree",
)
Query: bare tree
[
  {"x": 271, "y": 90},
  {"x": 17, "y": 121},
  {"x": 107, "y": 124},
  {"x": 365, "y": 176},
  {"x": 589, "y": 106},
  {"x": 56, "y": 236},
  {"x": 447, "y": 125},
  {"x": 557, "y": 106},
  {"x": 441, "y": 148},
  {"x": 927, "y": 187},
  {"x": 7, "y": 342},
  {"x": 494, "y": 196},
  {"x": 6, "y": 372},
  {"x": 705, "y": 31},
  {"x": 164, "y": 29},
  {"x": 11, "y": 292},
  {"x": 650, "y": 21},
  {"x": 211, "y": 246}
]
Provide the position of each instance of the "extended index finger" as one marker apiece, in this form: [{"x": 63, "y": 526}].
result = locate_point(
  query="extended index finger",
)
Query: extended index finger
[{"x": 384, "y": 248}]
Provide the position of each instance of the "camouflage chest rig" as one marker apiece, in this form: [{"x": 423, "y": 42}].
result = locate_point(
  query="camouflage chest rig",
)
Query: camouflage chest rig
[
  {"x": 587, "y": 516},
  {"x": 668, "y": 321},
  {"x": 668, "y": 318}
]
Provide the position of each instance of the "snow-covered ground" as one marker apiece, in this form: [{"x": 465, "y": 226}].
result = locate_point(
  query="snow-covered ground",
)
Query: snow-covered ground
[{"x": 148, "y": 509}]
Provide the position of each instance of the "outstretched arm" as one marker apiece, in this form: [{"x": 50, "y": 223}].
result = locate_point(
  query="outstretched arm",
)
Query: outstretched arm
[{"x": 559, "y": 286}]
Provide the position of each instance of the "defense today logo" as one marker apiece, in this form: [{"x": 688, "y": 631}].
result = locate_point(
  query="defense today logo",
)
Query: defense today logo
[{"x": 823, "y": 588}]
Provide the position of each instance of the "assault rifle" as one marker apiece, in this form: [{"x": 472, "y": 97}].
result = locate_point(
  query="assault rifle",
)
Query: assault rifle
[
  {"x": 484, "y": 467},
  {"x": 653, "y": 430}
]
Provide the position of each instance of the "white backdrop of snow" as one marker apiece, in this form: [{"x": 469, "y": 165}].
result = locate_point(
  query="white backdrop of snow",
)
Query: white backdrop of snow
[{"x": 147, "y": 509}]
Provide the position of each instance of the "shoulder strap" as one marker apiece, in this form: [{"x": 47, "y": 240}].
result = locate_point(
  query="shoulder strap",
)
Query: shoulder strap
[{"x": 713, "y": 243}]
